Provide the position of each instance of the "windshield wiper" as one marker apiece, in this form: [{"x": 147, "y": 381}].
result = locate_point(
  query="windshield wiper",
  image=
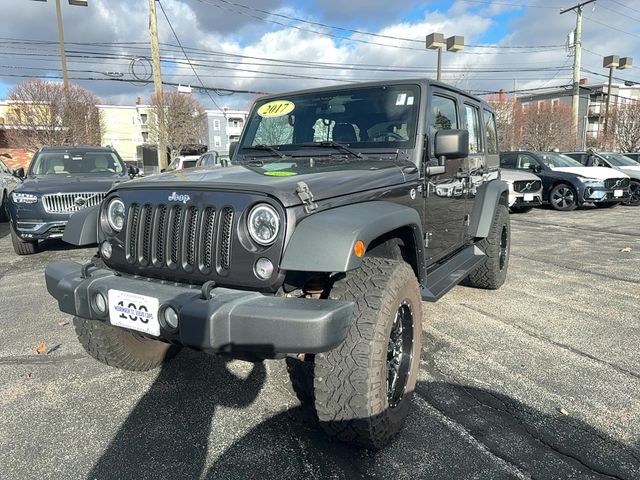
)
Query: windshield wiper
[
  {"x": 267, "y": 148},
  {"x": 336, "y": 145}
]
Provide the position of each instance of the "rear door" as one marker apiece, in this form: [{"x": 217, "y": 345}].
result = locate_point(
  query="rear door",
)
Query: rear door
[{"x": 446, "y": 196}]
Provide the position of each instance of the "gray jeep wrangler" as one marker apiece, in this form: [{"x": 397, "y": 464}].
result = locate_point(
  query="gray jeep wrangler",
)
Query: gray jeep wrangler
[{"x": 343, "y": 210}]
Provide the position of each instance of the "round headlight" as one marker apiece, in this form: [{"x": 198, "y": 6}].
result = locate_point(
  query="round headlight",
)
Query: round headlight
[
  {"x": 263, "y": 224},
  {"x": 115, "y": 214}
]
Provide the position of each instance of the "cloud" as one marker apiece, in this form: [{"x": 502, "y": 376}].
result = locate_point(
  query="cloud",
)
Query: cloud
[{"x": 235, "y": 45}]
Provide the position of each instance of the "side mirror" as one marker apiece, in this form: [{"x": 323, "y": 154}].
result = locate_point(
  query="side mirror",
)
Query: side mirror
[
  {"x": 451, "y": 144},
  {"x": 535, "y": 168},
  {"x": 18, "y": 172},
  {"x": 233, "y": 146},
  {"x": 133, "y": 171}
]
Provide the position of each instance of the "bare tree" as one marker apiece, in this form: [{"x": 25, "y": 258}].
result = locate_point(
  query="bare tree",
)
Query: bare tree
[
  {"x": 624, "y": 126},
  {"x": 545, "y": 126},
  {"x": 182, "y": 117},
  {"x": 505, "y": 109},
  {"x": 42, "y": 113}
]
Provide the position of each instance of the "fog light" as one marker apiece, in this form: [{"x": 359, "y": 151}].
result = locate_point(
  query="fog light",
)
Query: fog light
[
  {"x": 106, "y": 250},
  {"x": 170, "y": 317},
  {"x": 100, "y": 303},
  {"x": 263, "y": 268}
]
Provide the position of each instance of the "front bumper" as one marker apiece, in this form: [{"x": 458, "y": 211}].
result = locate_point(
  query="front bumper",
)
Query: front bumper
[
  {"x": 517, "y": 199},
  {"x": 602, "y": 194},
  {"x": 229, "y": 321},
  {"x": 40, "y": 229}
]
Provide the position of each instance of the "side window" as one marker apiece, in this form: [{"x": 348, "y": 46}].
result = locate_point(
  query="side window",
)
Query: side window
[
  {"x": 525, "y": 161},
  {"x": 473, "y": 125},
  {"x": 444, "y": 116},
  {"x": 508, "y": 161},
  {"x": 491, "y": 132}
]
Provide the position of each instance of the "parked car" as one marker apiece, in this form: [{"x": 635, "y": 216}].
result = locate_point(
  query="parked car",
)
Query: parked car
[
  {"x": 635, "y": 156},
  {"x": 59, "y": 182},
  {"x": 616, "y": 161},
  {"x": 183, "y": 161},
  {"x": 9, "y": 179},
  {"x": 566, "y": 183},
  {"x": 319, "y": 244},
  {"x": 525, "y": 190},
  {"x": 209, "y": 159}
]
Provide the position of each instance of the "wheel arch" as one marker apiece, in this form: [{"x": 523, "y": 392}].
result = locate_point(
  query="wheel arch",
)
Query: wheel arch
[
  {"x": 324, "y": 242},
  {"x": 487, "y": 199}
]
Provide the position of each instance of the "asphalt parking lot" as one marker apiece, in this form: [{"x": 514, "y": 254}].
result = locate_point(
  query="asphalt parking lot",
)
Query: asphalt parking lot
[{"x": 540, "y": 379}]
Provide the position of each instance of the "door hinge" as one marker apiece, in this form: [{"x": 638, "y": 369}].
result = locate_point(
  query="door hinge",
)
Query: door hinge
[
  {"x": 304, "y": 193},
  {"x": 467, "y": 220}
]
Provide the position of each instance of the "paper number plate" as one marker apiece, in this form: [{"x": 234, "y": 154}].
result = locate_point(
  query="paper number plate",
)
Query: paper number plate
[
  {"x": 617, "y": 193},
  {"x": 528, "y": 197},
  {"x": 133, "y": 311}
]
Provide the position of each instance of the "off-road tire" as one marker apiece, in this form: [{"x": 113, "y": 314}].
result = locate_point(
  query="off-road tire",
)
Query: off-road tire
[
  {"x": 567, "y": 189},
  {"x": 606, "y": 204},
  {"x": 521, "y": 209},
  {"x": 350, "y": 381},
  {"x": 492, "y": 274},
  {"x": 121, "y": 348},
  {"x": 20, "y": 246}
]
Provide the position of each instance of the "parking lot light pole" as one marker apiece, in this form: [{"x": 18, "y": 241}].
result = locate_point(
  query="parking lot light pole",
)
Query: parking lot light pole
[
  {"x": 611, "y": 62},
  {"x": 63, "y": 56},
  {"x": 436, "y": 41}
]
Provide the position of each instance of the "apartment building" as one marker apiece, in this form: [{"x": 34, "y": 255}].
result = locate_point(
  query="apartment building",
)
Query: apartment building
[{"x": 223, "y": 127}]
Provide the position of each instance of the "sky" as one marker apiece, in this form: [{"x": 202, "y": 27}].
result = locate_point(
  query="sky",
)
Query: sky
[{"x": 272, "y": 46}]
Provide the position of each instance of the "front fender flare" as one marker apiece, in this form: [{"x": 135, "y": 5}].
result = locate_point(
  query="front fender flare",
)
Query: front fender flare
[
  {"x": 487, "y": 199},
  {"x": 324, "y": 242},
  {"x": 82, "y": 227}
]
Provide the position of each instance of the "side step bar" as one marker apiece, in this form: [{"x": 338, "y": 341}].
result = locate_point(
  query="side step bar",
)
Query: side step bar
[{"x": 452, "y": 272}]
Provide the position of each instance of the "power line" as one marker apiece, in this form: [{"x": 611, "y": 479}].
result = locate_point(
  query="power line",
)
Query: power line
[
  {"x": 187, "y": 58},
  {"x": 625, "y": 6},
  {"x": 593, "y": 20}
]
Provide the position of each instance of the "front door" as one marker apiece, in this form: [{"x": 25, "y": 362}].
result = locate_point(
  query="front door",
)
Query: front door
[{"x": 446, "y": 195}]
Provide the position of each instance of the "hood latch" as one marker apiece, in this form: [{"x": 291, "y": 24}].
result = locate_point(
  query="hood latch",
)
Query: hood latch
[{"x": 304, "y": 193}]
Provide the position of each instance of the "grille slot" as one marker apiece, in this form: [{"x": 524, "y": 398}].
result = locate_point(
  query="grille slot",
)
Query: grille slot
[
  {"x": 208, "y": 235},
  {"x": 146, "y": 239},
  {"x": 161, "y": 236},
  {"x": 190, "y": 238},
  {"x": 224, "y": 253},
  {"x": 70, "y": 202},
  {"x": 132, "y": 232},
  {"x": 521, "y": 186},
  {"x": 616, "y": 183},
  {"x": 174, "y": 240}
]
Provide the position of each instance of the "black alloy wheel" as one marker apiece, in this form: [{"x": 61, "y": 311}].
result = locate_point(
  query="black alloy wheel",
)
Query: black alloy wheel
[
  {"x": 563, "y": 198},
  {"x": 634, "y": 194},
  {"x": 399, "y": 354},
  {"x": 504, "y": 247}
]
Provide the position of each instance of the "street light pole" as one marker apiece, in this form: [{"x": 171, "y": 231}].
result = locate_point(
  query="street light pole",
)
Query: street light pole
[
  {"x": 436, "y": 41},
  {"x": 611, "y": 62}
]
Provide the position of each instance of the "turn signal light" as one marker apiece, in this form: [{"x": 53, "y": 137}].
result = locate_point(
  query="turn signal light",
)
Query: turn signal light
[{"x": 359, "y": 248}]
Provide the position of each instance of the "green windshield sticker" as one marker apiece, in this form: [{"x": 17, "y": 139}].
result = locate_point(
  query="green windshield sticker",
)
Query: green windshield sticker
[{"x": 277, "y": 173}]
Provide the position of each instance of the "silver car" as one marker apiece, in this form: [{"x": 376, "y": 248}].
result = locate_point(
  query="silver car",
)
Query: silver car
[
  {"x": 525, "y": 190},
  {"x": 8, "y": 181}
]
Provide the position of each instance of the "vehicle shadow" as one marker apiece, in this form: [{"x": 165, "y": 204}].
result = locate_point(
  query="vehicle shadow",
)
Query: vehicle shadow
[
  {"x": 4, "y": 229},
  {"x": 453, "y": 432},
  {"x": 166, "y": 434}
]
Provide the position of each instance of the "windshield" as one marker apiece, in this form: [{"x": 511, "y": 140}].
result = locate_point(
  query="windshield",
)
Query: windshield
[
  {"x": 77, "y": 162},
  {"x": 619, "y": 160},
  {"x": 371, "y": 117},
  {"x": 558, "y": 160}
]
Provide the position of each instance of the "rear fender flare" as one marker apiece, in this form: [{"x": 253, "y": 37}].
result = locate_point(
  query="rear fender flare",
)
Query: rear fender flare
[{"x": 487, "y": 199}]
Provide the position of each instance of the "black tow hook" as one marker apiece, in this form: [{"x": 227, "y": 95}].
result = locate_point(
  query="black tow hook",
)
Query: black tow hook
[
  {"x": 207, "y": 288},
  {"x": 84, "y": 271}
]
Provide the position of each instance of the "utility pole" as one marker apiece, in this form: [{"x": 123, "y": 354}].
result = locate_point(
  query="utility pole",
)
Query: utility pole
[
  {"x": 577, "y": 53},
  {"x": 63, "y": 55},
  {"x": 157, "y": 83}
]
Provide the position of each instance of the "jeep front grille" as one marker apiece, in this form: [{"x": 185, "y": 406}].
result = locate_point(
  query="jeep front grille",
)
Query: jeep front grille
[
  {"x": 523, "y": 186},
  {"x": 616, "y": 183},
  {"x": 70, "y": 202},
  {"x": 179, "y": 238}
]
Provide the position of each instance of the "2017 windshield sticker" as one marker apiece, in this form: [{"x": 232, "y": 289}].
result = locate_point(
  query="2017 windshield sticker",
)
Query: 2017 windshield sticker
[
  {"x": 277, "y": 108},
  {"x": 280, "y": 173}
]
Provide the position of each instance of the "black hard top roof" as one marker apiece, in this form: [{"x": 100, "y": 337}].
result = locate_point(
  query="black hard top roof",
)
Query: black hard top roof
[
  {"x": 84, "y": 148},
  {"x": 423, "y": 82}
]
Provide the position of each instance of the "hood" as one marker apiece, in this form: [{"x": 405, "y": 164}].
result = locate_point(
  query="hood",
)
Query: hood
[
  {"x": 351, "y": 177},
  {"x": 601, "y": 173},
  {"x": 633, "y": 172},
  {"x": 70, "y": 183},
  {"x": 516, "y": 175}
]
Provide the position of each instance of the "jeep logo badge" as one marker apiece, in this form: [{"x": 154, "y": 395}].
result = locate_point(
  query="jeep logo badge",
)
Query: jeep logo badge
[{"x": 174, "y": 197}]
